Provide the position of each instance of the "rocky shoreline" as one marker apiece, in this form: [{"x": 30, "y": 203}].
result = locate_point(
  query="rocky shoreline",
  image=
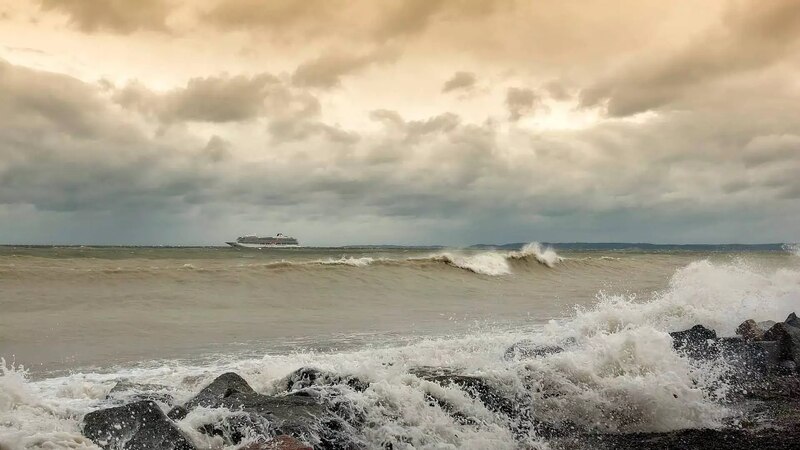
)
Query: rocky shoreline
[{"x": 312, "y": 411}]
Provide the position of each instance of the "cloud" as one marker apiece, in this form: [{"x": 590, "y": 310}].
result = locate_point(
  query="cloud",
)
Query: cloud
[
  {"x": 327, "y": 70},
  {"x": 63, "y": 147},
  {"x": 408, "y": 17},
  {"x": 67, "y": 151},
  {"x": 220, "y": 99},
  {"x": 753, "y": 36},
  {"x": 520, "y": 102},
  {"x": 460, "y": 81},
  {"x": 33, "y": 99},
  {"x": 414, "y": 130},
  {"x": 118, "y": 16},
  {"x": 772, "y": 149},
  {"x": 300, "y": 129},
  {"x": 274, "y": 14}
]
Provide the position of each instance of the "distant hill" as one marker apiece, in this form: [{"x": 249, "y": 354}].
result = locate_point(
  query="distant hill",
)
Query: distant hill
[{"x": 622, "y": 246}]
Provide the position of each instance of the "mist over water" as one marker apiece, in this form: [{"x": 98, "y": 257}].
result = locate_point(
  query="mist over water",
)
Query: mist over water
[{"x": 82, "y": 319}]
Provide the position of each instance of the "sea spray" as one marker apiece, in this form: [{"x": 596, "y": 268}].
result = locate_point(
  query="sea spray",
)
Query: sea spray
[
  {"x": 719, "y": 296},
  {"x": 30, "y": 420}
]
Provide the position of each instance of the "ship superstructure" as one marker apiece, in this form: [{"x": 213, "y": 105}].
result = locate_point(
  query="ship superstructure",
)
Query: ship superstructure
[{"x": 253, "y": 241}]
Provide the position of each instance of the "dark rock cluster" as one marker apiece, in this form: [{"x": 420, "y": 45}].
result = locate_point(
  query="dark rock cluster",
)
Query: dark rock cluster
[
  {"x": 310, "y": 410},
  {"x": 759, "y": 347},
  {"x": 306, "y": 414}
]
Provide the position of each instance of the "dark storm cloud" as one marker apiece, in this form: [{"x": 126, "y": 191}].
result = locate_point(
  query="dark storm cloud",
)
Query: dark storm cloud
[
  {"x": 64, "y": 148},
  {"x": 220, "y": 99},
  {"x": 753, "y": 36},
  {"x": 119, "y": 16},
  {"x": 460, "y": 81},
  {"x": 716, "y": 169},
  {"x": 31, "y": 99}
]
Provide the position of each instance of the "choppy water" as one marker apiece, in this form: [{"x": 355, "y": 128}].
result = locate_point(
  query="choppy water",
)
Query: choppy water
[{"x": 81, "y": 319}]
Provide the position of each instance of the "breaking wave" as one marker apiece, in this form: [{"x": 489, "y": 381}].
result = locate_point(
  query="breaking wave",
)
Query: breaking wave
[
  {"x": 617, "y": 371},
  {"x": 488, "y": 262},
  {"x": 492, "y": 263},
  {"x": 497, "y": 263}
]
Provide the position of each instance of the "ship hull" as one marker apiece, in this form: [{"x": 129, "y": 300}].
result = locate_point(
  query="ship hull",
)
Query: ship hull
[{"x": 259, "y": 246}]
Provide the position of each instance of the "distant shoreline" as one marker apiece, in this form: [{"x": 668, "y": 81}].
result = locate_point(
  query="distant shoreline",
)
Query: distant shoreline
[{"x": 576, "y": 246}]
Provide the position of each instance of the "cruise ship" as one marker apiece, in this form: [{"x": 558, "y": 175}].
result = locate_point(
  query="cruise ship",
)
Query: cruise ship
[{"x": 253, "y": 241}]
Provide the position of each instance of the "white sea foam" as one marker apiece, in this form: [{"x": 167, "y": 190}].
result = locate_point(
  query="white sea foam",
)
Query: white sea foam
[
  {"x": 618, "y": 372},
  {"x": 794, "y": 248},
  {"x": 347, "y": 261},
  {"x": 485, "y": 263}
]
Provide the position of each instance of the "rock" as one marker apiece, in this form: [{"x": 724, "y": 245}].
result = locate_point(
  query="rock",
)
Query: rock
[
  {"x": 516, "y": 408},
  {"x": 792, "y": 320},
  {"x": 754, "y": 331},
  {"x": 787, "y": 367},
  {"x": 527, "y": 349},
  {"x": 771, "y": 350},
  {"x": 481, "y": 389},
  {"x": 303, "y": 414},
  {"x": 695, "y": 439},
  {"x": 222, "y": 387},
  {"x": 282, "y": 442},
  {"x": 307, "y": 377},
  {"x": 749, "y": 359},
  {"x": 694, "y": 341},
  {"x": 137, "y": 426},
  {"x": 788, "y": 338}
]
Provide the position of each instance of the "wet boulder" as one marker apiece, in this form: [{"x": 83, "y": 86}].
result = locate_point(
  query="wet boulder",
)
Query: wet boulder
[
  {"x": 748, "y": 358},
  {"x": 695, "y": 439},
  {"x": 787, "y": 367},
  {"x": 221, "y": 388},
  {"x": 302, "y": 414},
  {"x": 493, "y": 398},
  {"x": 754, "y": 331},
  {"x": 792, "y": 320},
  {"x": 137, "y": 426},
  {"x": 695, "y": 342},
  {"x": 788, "y": 338},
  {"x": 515, "y": 407}
]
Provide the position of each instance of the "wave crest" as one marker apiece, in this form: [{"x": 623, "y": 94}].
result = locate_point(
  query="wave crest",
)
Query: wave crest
[
  {"x": 496, "y": 263},
  {"x": 544, "y": 255}
]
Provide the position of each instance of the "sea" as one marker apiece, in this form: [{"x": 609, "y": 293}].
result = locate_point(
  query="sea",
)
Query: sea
[{"x": 76, "y": 321}]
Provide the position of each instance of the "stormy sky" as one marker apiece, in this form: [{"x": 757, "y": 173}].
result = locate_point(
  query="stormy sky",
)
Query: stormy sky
[{"x": 405, "y": 122}]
